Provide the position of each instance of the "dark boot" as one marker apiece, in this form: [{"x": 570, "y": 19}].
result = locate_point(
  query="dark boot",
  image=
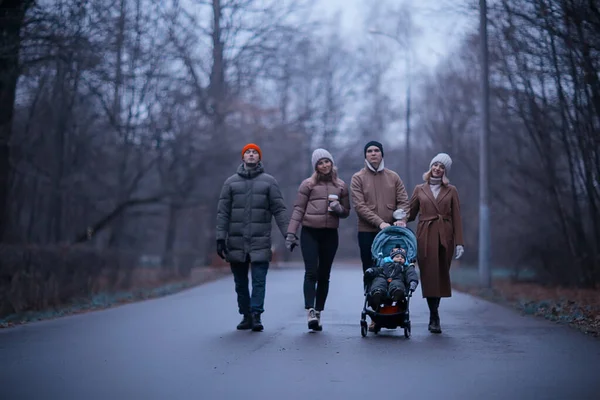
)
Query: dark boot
[
  {"x": 257, "y": 325},
  {"x": 434, "y": 324},
  {"x": 397, "y": 295},
  {"x": 246, "y": 323},
  {"x": 376, "y": 299},
  {"x": 434, "y": 316}
]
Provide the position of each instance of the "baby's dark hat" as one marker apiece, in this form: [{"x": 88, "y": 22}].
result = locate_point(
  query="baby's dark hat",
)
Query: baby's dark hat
[{"x": 402, "y": 252}]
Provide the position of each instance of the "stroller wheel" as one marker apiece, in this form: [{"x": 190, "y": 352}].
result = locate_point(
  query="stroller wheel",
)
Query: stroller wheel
[
  {"x": 407, "y": 330},
  {"x": 363, "y": 328}
]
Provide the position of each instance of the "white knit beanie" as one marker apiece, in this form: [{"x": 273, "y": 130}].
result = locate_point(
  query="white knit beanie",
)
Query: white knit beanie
[
  {"x": 444, "y": 159},
  {"x": 320, "y": 154}
]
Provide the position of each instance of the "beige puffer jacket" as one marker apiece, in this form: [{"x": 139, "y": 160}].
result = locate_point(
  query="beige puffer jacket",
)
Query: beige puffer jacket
[{"x": 310, "y": 208}]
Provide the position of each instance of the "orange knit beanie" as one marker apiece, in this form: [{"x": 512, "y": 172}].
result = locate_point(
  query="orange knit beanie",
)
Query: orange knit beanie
[{"x": 252, "y": 146}]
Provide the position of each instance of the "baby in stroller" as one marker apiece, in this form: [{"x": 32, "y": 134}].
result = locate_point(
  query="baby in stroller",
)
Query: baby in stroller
[{"x": 389, "y": 280}]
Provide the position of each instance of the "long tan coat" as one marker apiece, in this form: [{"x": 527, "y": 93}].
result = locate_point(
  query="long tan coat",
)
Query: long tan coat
[{"x": 439, "y": 230}]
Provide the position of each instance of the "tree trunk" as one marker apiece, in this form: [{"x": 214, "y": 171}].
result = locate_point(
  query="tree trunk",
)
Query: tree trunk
[
  {"x": 33, "y": 207},
  {"x": 217, "y": 95},
  {"x": 168, "y": 258},
  {"x": 12, "y": 14},
  {"x": 116, "y": 232},
  {"x": 217, "y": 74}
]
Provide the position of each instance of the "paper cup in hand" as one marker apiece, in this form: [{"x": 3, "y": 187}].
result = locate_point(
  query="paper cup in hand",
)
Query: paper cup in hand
[
  {"x": 331, "y": 197},
  {"x": 399, "y": 214}
]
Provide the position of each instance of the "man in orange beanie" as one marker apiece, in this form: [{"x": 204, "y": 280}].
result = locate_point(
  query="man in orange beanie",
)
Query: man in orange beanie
[
  {"x": 249, "y": 199},
  {"x": 254, "y": 147}
]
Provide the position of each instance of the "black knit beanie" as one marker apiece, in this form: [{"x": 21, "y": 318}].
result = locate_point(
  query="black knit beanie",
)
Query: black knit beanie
[{"x": 373, "y": 143}]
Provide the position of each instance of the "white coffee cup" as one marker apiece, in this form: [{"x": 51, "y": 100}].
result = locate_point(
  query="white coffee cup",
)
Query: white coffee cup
[{"x": 331, "y": 197}]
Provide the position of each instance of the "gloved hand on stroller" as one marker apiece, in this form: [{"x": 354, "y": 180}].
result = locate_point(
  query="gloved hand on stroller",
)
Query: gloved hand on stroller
[
  {"x": 370, "y": 273},
  {"x": 412, "y": 287}
]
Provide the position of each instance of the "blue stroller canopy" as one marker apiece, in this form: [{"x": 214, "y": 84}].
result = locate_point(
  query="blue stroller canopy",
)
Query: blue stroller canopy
[{"x": 392, "y": 236}]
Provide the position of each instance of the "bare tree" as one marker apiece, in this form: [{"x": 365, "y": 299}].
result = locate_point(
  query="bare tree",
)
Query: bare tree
[
  {"x": 544, "y": 134},
  {"x": 12, "y": 14},
  {"x": 551, "y": 63},
  {"x": 224, "y": 60}
]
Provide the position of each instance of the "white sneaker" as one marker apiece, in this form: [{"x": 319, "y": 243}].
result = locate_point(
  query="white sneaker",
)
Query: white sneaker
[
  {"x": 319, "y": 327},
  {"x": 313, "y": 320}
]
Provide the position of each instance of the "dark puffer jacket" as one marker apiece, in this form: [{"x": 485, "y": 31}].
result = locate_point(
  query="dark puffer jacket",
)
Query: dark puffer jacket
[{"x": 247, "y": 203}]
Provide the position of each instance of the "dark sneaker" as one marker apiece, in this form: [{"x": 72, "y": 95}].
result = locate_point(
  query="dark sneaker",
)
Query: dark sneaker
[
  {"x": 246, "y": 323},
  {"x": 257, "y": 325}
]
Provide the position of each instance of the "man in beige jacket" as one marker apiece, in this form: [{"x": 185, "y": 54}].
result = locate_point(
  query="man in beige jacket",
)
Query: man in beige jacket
[{"x": 376, "y": 192}]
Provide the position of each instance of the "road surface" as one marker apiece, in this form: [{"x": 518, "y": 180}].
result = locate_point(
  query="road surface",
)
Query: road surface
[{"x": 185, "y": 346}]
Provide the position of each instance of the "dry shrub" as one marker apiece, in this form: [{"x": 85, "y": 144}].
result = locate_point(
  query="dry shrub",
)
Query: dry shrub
[{"x": 41, "y": 277}]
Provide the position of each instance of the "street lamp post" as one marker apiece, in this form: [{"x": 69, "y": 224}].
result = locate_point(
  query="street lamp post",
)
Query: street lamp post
[
  {"x": 407, "y": 138},
  {"x": 484, "y": 211},
  {"x": 407, "y": 168}
]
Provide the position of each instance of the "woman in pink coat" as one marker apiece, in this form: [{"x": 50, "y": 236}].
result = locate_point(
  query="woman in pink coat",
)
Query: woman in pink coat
[{"x": 322, "y": 200}]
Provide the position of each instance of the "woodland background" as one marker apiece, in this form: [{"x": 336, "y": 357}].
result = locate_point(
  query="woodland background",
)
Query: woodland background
[{"x": 120, "y": 120}]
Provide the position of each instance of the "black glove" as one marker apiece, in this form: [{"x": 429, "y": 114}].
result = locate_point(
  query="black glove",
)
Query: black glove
[
  {"x": 413, "y": 285},
  {"x": 221, "y": 248},
  {"x": 370, "y": 273}
]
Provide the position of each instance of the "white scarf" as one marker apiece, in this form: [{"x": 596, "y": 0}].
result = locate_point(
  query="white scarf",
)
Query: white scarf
[{"x": 381, "y": 166}]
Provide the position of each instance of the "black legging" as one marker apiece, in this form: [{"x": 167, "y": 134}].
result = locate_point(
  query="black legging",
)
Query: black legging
[
  {"x": 433, "y": 303},
  {"x": 318, "y": 250}
]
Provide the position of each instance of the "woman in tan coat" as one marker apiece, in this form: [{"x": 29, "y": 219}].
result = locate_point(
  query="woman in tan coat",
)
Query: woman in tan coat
[
  {"x": 322, "y": 200},
  {"x": 439, "y": 233}
]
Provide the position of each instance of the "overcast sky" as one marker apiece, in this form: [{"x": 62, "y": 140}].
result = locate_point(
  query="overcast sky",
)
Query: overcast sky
[
  {"x": 442, "y": 25},
  {"x": 441, "y": 22}
]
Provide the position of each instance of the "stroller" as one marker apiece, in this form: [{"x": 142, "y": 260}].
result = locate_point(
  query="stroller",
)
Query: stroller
[{"x": 388, "y": 315}]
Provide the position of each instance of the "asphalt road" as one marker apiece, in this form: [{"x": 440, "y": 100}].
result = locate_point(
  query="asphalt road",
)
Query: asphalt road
[{"x": 185, "y": 346}]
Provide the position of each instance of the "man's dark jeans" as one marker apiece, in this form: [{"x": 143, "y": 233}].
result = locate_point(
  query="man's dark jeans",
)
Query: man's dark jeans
[
  {"x": 246, "y": 303},
  {"x": 365, "y": 241}
]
